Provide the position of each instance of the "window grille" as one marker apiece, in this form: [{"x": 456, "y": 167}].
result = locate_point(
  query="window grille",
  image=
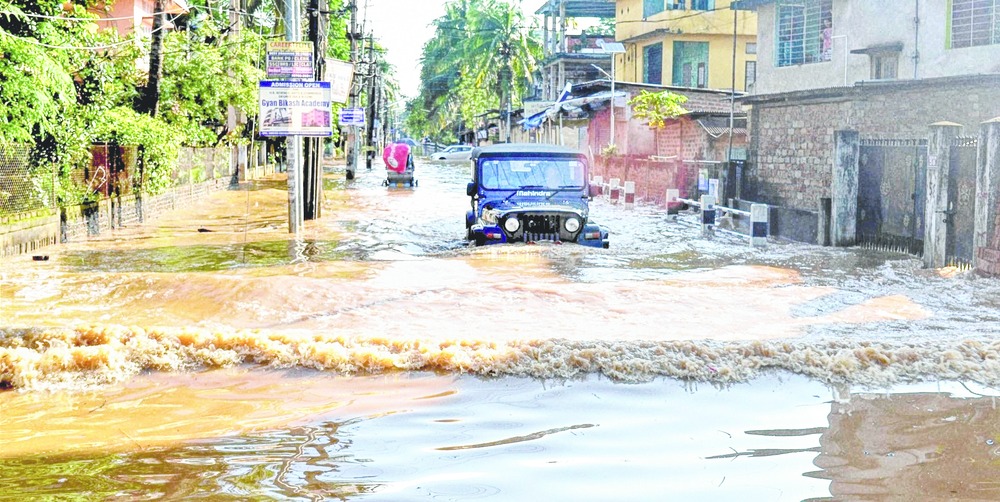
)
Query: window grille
[
  {"x": 650, "y": 7},
  {"x": 884, "y": 65},
  {"x": 975, "y": 23},
  {"x": 702, "y": 4},
  {"x": 751, "y": 75},
  {"x": 690, "y": 64},
  {"x": 804, "y": 32},
  {"x": 652, "y": 63}
]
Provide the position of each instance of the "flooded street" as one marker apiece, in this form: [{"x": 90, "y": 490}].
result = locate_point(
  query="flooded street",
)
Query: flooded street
[{"x": 378, "y": 356}]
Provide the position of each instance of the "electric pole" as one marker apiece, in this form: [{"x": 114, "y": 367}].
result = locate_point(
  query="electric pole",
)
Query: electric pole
[
  {"x": 370, "y": 121},
  {"x": 312, "y": 180},
  {"x": 351, "y": 142},
  {"x": 293, "y": 144}
]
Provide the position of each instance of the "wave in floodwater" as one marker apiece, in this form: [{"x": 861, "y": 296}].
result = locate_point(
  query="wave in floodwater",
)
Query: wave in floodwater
[{"x": 32, "y": 359}]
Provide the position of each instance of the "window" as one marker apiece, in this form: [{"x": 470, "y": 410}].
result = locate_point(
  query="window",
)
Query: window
[
  {"x": 650, "y": 7},
  {"x": 751, "y": 76},
  {"x": 652, "y": 63},
  {"x": 884, "y": 65},
  {"x": 702, "y": 4},
  {"x": 690, "y": 68},
  {"x": 751, "y": 47},
  {"x": 675, "y": 4},
  {"x": 975, "y": 22},
  {"x": 804, "y": 32}
]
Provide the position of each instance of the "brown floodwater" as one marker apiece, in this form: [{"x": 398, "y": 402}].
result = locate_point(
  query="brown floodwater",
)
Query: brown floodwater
[{"x": 376, "y": 356}]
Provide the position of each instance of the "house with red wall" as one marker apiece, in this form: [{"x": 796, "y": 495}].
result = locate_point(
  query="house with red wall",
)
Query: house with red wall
[{"x": 134, "y": 16}]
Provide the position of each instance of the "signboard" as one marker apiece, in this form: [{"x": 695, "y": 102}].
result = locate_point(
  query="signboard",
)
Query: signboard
[
  {"x": 290, "y": 60},
  {"x": 533, "y": 107},
  {"x": 295, "y": 109},
  {"x": 340, "y": 74},
  {"x": 352, "y": 116}
]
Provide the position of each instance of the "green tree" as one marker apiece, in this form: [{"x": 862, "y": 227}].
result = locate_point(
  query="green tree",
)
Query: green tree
[
  {"x": 656, "y": 108},
  {"x": 482, "y": 56}
]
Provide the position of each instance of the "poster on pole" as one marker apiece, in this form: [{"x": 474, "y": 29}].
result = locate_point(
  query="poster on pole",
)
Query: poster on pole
[
  {"x": 340, "y": 74},
  {"x": 290, "y": 61},
  {"x": 295, "y": 109}
]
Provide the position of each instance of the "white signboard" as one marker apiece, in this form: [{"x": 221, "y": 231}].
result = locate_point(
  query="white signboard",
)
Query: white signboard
[
  {"x": 340, "y": 74},
  {"x": 295, "y": 109},
  {"x": 352, "y": 116}
]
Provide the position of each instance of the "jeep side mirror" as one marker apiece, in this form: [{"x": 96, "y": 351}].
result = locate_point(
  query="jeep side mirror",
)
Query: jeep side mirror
[{"x": 470, "y": 189}]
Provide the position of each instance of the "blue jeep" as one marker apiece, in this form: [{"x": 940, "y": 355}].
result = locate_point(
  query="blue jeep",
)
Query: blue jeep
[{"x": 530, "y": 193}]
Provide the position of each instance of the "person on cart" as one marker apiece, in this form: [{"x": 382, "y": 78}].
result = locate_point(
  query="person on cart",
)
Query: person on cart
[{"x": 398, "y": 164}]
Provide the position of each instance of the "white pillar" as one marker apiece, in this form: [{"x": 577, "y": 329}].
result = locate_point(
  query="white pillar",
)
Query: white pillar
[
  {"x": 629, "y": 194},
  {"x": 759, "y": 225},
  {"x": 707, "y": 214}
]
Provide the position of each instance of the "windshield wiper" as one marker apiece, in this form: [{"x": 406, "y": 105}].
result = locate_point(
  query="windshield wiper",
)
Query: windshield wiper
[{"x": 561, "y": 189}]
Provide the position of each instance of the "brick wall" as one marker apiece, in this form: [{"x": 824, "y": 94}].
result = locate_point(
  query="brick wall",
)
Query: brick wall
[{"x": 792, "y": 140}]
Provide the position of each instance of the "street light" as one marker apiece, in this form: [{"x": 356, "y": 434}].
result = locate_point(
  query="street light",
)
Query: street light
[{"x": 611, "y": 48}]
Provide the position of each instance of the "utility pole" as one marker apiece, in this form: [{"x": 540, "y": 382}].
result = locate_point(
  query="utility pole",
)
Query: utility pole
[
  {"x": 238, "y": 153},
  {"x": 370, "y": 120},
  {"x": 312, "y": 180},
  {"x": 351, "y": 142},
  {"x": 293, "y": 144}
]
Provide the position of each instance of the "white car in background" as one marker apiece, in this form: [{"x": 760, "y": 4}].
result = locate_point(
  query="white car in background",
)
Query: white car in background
[{"x": 454, "y": 152}]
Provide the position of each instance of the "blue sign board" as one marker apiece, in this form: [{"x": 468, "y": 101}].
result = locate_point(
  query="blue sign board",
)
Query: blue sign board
[{"x": 352, "y": 116}]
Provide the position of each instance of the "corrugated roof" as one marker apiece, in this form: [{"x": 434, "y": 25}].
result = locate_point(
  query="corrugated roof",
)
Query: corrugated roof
[
  {"x": 700, "y": 101},
  {"x": 749, "y": 4},
  {"x": 579, "y": 8}
]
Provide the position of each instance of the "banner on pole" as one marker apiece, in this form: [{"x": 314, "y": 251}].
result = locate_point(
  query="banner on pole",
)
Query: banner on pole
[
  {"x": 295, "y": 109},
  {"x": 290, "y": 60},
  {"x": 340, "y": 74}
]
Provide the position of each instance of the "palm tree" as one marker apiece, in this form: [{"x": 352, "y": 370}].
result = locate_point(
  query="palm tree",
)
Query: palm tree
[
  {"x": 501, "y": 53},
  {"x": 478, "y": 45}
]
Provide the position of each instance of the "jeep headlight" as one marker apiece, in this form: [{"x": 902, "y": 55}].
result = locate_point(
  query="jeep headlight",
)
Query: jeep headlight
[
  {"x": 511, "y": 224},
  {"x": 572, "y": 224}
]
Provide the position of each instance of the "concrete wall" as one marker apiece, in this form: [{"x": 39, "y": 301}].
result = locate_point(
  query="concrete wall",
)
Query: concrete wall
[
  {"x": 29, "y": 232},
  {"x": 859, "y": 24},
  {"x": 26, "y": 232}
]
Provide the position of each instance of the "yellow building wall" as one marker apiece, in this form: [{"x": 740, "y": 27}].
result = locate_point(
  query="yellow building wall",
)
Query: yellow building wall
[{"x": 667, "y": 27}]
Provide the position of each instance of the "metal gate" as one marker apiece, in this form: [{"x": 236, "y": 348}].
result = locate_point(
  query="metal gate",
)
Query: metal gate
[
  {"x": 892, "y": 183},
  {"x": 961, "y": 211}
]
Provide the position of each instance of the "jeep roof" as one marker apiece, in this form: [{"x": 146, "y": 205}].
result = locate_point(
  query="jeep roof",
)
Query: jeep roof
[{"x": 522, "y": 149}]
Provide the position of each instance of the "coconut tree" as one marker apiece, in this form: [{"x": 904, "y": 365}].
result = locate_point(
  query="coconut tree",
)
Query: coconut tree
[
  {"x": 482, "y": 55},
  {"x": 501, "y": 54}
]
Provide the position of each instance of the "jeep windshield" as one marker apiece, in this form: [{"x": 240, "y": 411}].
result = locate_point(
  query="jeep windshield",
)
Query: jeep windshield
[{"x": 543, "y": 174}]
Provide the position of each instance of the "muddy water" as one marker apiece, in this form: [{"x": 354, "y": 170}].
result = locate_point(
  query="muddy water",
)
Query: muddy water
[{"x": 376, "y": 355}]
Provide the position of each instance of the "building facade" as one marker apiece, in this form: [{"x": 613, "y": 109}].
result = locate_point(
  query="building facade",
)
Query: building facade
[
  {"x": 874, "y": 123},
  {"x": 829, "y": 43},
  {"x": 686, "y": 43}
]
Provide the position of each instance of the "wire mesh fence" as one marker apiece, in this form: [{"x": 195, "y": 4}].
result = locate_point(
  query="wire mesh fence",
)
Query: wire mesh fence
[
  {"x": 24, "y": 188},
  {"x": 113, "y": 171},
  {"x": 195, "y": 165}
]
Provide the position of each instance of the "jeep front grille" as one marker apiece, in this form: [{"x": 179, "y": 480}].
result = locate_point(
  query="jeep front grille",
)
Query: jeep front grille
[
  {"x": 540, "y": 223},
  {"x": 540, "y": 226}
]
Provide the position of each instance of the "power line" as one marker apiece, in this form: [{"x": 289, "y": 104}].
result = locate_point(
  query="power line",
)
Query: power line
[
  {"x": 87, "y": 48},
  {"x": 65, "y": 18}
]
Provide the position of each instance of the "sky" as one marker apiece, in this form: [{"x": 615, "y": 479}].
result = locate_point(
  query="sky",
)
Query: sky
[{"x": 403, "y": 26}]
